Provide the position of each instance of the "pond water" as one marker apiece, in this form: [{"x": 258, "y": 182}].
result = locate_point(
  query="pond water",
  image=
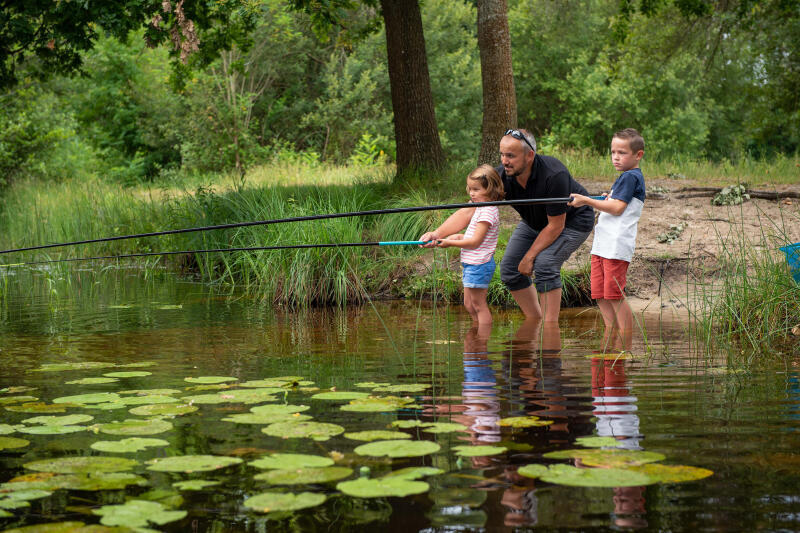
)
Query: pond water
[{"x": 159, "y": 331}]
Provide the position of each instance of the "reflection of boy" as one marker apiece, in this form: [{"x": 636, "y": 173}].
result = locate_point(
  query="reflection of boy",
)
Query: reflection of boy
[{"x": 614, "y": 405}]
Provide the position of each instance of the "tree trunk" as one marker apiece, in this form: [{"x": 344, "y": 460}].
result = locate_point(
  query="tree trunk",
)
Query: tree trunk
[
  {"x": 497, "y": 76},
  {"x": 416, "y": 136}
]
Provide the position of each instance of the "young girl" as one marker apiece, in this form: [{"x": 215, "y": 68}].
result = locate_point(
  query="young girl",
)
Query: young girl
[{"x": 479, "y": 241}]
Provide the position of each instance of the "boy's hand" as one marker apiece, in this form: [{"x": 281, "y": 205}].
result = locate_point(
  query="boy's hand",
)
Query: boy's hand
[{"x": 577, "y": 200}]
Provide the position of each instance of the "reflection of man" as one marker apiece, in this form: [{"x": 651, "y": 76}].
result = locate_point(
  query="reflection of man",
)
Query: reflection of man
[{"x": 547, "y": 234}]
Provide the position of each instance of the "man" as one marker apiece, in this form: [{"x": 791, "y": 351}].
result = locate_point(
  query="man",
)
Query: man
[{"x": 547, "y": 234}]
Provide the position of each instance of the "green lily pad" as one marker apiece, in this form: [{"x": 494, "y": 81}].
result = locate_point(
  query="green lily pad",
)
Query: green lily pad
[
  {"x": 291, "y": 460},
  {"x": 129, "y": 374},
  {"x": 414, "y": 472},
  {"x": 151, "y": 392},
  {"x": 268, "y": 502},
  {"x": 204, "y": 399},
  {"x": 63, "y": 527},
  {"x": 191, "y": 463},
  {"x": 274, "y": 409},
  {"x": 129, "y": 445},
  {"x": 382, "y": 487},
  {"x": 97, "y": 481},
  {"x": 340, "y": 395},
  {"x": 301, "y": 476},
  {"x": 194, "y": 484},
  {"x": 138, "y": 364},
  {"x": 210, "y": 380},
  {"x": 81, "y": 465},
  {"x": 212, "y": 386},
  {"x": 107, "y": 406},
  {"x": 672, "y": 473},
  {"x": 149, "y": 399},
  {"x": 52, "y": 430},
  {"x": 398, "y": 448},
  {"x": 262, "y": 383},
  {"x": 135, "y": 426},
  {"x": 59, "y": 367},
  {"x": 378, "y": 405},
  {"x": 49, "y": 420},
  {"x": 84, "y": 399},
  {"x": 7, "y": 429},
  {"x": 265, "y": 420},
  {"x": 594, "y": 477},
  {"x": 478, "y": 451},
  {"x": 25, "y": 495},
  {"x": 371, "y": 384},
  {"x": 614, "y": 457},
  {"x": 137, "y": 513},
  {"x": 523, "y": 422},
  {"x": 13, "y": 504},
  {"x": 377, "y": 434},
  {"x": 17, "y": 389},
  {"x": 7, "y": 400},
  {"x": 409, "y": 387},
  {"x": 406, "y": 424},
  {"x": 39, "y": 407},
  {"x": 264, "y": 394},
  {"x": 91, "y": 381},
  {"x": 319, "y": 431},
  {"x": 597, "y": 442},
  {"x": 163, "y": 409},
  {"x": 443, "y": 427},
  {"x": 534, "y": 470},
  {"x": 8, "y": 443}
]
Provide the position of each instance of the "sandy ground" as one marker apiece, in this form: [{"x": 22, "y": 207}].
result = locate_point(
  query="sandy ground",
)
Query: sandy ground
[{"x": 657, "y": 277}]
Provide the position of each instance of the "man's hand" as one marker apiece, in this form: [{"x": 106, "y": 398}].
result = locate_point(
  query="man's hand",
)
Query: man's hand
[{"x": 526, "y": 265}]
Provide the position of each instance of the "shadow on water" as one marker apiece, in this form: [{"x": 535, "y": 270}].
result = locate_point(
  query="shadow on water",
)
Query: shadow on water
[{"x": 657, "y": 397}]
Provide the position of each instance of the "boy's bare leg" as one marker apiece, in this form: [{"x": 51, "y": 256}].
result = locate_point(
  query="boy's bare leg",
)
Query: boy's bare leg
[
  {"x": 550, "y": 303},
  {"x": 527, "y": 301},
  {"x": 618, "y": 320}
]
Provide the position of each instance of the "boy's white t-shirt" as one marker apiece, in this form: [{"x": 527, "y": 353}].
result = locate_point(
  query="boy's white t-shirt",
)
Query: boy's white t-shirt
[
  {"x": 483, "y": 253},
  {"x": 615, "y": 236}
]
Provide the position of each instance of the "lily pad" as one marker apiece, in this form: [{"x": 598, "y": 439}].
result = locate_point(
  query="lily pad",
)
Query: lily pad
[
  {"x": 68, "y": 420},
  {"x": 149, "y": 392},
  {"x": 59, "y": 367},
  {"x": 377, "y": 434},
  {"x": 135, "y": 426},
  {"x": 17, "y": 389},
  {"x": 129, "y": 374},
  {"x": 672, "y": 473},
  {"x": 594, "y": 477},
  {"x": 371, "y": 384},
  {"x": 443, "y": 427},
  {"x": 8, "y": 443},
  {"x": 340, "y": 395},
  {"x": 13, "y": 504},
  {"x": 7, "y": 429},
  {"x": 52, "y": 430},
  {"x": 597, "y": 442},
  {"x": 405, "y": 424},
  {"x": 97, "y": 481},
  {"x": 261, "y": 383},
  {"x": 129, "y": 445},
  {"x": 378, "y": 405},
  {"x": 138, "y": 364},
  {"x": 210, "y": 380},
  {"x": 84, "y": 399},
  {"x": 533, "y": 470},
  {"x": 7, "y": 400},
  {"x": 265, "y": 420},
  {"x": 191, "y": 463},
  {"x": 268, "y": 502},
  {"x": 148, "y": 399},
  {"x": 194, "y": 484},
  {"x": 409, "y": 387},
  {"x": 479, "y": 451},
  {"x": 25, "y": 495},
  {"x": 614, "y": 457},
  {"x": 274, "y": 409},
  {"x": 91, "y": 381},
  {"x": 301, "y": 476},
  {"x": 291, "y": 460},
  {"x": 398, "y": 448},
  {"x": 319, "y": 431},
  {"x": 137, "y": 513},
  {"x": 163, "y": 409},
  {"x": 63, "y": 527},
  {"x": 264, "y": 394},
  {"x": 414, "y": 472},
  {"x": 82, "y": 465},
  {"x": 39, "y": 407},
  {"x": 523, "y": 422},
  {"x": 382, "y": 487}
]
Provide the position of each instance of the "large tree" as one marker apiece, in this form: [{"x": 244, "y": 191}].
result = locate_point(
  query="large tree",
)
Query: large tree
[{"x": 497, "y": 76}]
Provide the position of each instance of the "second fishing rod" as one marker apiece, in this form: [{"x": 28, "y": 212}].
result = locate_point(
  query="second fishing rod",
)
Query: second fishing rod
[{"x": 298, "y": 219}]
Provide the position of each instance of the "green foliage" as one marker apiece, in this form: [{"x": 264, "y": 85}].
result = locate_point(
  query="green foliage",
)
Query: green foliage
[{"x": 731, "y": 195}]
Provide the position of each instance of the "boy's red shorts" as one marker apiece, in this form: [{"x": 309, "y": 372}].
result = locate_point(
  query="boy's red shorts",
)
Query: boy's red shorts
[{"x": 608, "y": 278}]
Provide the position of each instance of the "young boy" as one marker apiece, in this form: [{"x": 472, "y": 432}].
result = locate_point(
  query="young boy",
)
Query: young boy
[{"x": 615, "y": 234}]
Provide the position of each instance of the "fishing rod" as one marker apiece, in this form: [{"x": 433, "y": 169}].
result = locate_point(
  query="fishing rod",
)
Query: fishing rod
[
  {"x": 214, "y": 250},
  {"x": 532, "y": 201}
]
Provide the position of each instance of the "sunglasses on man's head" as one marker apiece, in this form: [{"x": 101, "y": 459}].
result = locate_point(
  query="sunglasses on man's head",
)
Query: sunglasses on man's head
[{"x": 518, "y": 135}]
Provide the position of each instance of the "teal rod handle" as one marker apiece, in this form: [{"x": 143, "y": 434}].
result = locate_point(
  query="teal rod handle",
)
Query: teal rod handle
[
  {"x": 597, "y": 197},
  {"x": 402, "y": 243}
]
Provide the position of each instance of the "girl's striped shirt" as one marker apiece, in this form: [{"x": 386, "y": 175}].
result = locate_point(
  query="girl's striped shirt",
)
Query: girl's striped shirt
[{"x": 483, "y": 253}]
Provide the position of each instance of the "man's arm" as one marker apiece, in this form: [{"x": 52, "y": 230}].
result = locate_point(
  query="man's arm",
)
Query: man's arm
[
  {"x": 454, "y": 223},
  {"x": 548, "y": 235}
]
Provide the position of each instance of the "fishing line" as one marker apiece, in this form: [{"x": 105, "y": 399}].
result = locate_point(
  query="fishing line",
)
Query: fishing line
[{"x": 297, "y": 219}]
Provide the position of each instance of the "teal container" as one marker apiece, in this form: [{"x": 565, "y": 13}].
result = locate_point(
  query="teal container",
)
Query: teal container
[{"x": 792, "y": 252}]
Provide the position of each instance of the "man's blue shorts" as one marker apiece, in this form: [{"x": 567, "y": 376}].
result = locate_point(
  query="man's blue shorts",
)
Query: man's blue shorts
[{"x": 478, "y": 276}]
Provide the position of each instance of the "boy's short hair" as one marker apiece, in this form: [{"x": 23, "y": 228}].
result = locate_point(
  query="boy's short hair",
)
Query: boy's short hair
[
  {"x": 634, "y": 138},
  {"x": 490, "y": 180}
]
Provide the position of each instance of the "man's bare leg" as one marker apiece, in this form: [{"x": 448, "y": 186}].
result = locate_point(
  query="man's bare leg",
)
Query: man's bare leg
[
  {"x": 550, "y": 303},
  {"x": 527, "y": 302}
]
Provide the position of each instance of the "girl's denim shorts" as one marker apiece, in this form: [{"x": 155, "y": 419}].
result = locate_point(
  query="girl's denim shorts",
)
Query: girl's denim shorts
[{"x": 478, "y": 276}]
